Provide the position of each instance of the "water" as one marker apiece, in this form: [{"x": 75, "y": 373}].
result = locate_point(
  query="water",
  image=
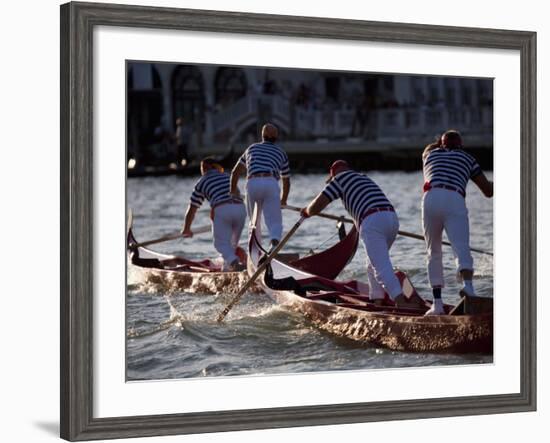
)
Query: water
[{"x": 175, "y": 335}]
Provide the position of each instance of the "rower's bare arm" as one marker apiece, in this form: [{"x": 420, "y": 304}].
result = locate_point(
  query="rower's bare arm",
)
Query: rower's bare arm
[
  {"x": 317, "y": 205},
  {"x": 189, "y": 217},
  {"x": 237, "y": 171},
  {"x": 285, "y": 191},
  {"x": 485, "y": 185}
]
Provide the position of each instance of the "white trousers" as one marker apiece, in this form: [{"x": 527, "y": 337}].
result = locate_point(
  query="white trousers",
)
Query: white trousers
[
  {"x": 378, "y": 232},
  {"x": 443, "y": 209},
  {"x": 266, "y": 192},
  {"x": 227, "y": 226}
]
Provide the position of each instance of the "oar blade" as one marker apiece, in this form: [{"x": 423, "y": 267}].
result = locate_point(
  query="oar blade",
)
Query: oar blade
[
  {"x": 259, "y": 271},
  {"x": 241, "y": 292}
]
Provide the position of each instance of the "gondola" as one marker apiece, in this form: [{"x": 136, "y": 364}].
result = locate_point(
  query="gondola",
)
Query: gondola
[
  {"x": 344, "y": 308},
  {"x": 176, "y": 273}
]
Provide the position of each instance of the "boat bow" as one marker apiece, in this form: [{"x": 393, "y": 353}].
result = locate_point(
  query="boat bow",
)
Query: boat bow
[{"x": 327, "y": 264}]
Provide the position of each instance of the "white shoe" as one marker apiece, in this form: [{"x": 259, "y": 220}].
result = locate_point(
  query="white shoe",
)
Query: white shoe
[{"x": 436, "y": 309}]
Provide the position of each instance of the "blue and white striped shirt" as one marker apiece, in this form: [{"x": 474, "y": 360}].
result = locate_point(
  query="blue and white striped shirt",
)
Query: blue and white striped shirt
[
  {"x": 214, "y": 186},
  {"x": 358, "y": 193},
  {"x": 451, "y": 167},
  {"x": 265, "y": 157}
]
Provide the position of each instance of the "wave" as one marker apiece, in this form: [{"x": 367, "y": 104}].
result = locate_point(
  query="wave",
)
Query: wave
[{"x": 133, "y": 333}]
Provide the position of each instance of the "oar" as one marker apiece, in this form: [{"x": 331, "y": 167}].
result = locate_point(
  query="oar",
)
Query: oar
[
  {"x": 168, "y": 237},
  {"x": 403, "y": 233},
  {"x": 260, "y": 269}
]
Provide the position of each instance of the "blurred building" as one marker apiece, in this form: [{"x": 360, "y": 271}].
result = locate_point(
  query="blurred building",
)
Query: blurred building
[{"x": 225, "y": 105}]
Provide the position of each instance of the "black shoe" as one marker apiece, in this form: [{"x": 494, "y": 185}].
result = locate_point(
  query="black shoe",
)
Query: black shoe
[
  {"x": 274, "y": 244},
  {"x": 236, "y": 266},
  {"x": 414, "y": 302}
]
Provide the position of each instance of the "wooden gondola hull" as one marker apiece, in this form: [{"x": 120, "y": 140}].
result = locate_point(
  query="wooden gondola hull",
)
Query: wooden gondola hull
[
  {"x": 437, "y": 334},
  {"x": 205, "y": 279},
  {"x": 400, "y": 330},
  {"x": 209, "y": 283}
]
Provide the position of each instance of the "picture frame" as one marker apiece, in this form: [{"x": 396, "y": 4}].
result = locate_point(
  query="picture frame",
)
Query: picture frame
[{"x": 77, "y": 217}]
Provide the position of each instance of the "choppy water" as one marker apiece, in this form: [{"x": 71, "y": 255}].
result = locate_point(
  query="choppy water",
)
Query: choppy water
[{"x": 175, "y": 335}]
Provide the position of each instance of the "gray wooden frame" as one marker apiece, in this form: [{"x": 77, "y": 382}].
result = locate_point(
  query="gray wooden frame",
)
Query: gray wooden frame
[{"x": 77, "y": 24}]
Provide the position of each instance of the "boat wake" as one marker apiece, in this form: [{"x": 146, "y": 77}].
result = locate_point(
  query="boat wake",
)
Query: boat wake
[
  {"x": 253, "y": 312},
  {"x": 251, "y": 306},
  {"x": 185, "y": 314}
]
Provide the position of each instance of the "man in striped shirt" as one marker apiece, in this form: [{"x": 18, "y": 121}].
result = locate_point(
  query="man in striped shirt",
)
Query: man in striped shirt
[
  {"x": 447, "y": 170},
  {"x": 264, "y": 163},
  {"x": 228, "y": 213},
  {"x": 376, "y": 220}
]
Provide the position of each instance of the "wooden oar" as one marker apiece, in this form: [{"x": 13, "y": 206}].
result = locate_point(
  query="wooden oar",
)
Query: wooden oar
[
  {"x": 403, "y": 233},
  {"x": 168, "y": 237},
  {"x": 259, "y": 271}
]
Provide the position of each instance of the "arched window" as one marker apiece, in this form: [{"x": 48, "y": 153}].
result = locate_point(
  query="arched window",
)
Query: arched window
[
  {"x": 371, "y": 90},
  {"x": 450, "y": 91},
  {"x": 466, "y": 88},
  {"x": 145, "y": 104},
  {"x": 418, "y": 92},
  {"x": 188, "y": 93},
  {"x": 230, "y": 85},
  {"x": 332, "y": 88},
  {"x": 485, "y": 91},
  {"x": 433, "y": 90}
]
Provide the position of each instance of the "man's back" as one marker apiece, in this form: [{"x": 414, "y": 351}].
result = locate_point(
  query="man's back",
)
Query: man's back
[
  {"x": 452, "y": 167},
  {"x": 214, "y": 186},
  {"x": 265, "y": 157},
  {"x": 358, "y": 192}
]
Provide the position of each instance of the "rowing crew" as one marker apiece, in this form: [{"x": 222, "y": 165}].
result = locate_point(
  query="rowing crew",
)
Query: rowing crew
[
  {"x": 447, "y": 169},
  {"x": 264, "y": 163}
]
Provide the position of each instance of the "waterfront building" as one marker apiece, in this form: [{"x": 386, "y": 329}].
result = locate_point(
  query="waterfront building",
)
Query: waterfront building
[{"x": 224, "y": 106}]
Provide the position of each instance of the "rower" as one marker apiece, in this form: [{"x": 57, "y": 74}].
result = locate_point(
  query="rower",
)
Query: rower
[
  {"x": 227, "y": 213},
  {"x": 447, "y": 169},
  {"x": 377, "y": 223},
  {"x": 265, "y": 163}
]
